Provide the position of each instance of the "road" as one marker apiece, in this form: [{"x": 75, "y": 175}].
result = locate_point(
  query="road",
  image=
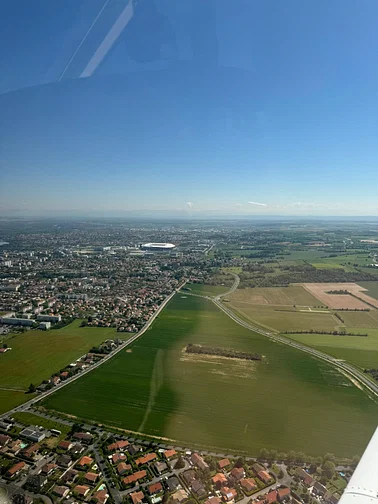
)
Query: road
[
  {"x": 128, "y": 342},
  {"x": 235, "y": 285}
]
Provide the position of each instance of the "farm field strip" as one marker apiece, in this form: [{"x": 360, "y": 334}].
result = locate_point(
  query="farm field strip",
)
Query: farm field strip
[{"x": 256, "y": 404}]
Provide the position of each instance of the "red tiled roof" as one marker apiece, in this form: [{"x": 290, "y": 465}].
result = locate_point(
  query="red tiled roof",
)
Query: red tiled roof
[
  {"x": 85, "y": 461},
  {"x": 146, "y": 458},
  {"x": 17, "y": 467},
  {"x": 264, "y": 476},
  {"x": 155, "y": 488},
  {"x": 223, "y": 463},
  {"x": 248, "y": 484},
  {"x": 90, "y": 476},
  {"x": 81, "y": 489},
  {"x": 137, "y": 497},
  {"x": 170, "y": 453},
  {"x": 65, "y": 445},
  {"x": 134, "y": 477},
  {"x": 219, "y": 478}
]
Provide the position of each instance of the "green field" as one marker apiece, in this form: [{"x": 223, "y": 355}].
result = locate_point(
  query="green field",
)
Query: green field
[
  {"x": 361, "y": 351},
  {"x": 287, "y": 401},
  {"x": 36, "y": 355},
  {"x": 293, "y": 295},
  {"x": 9, "y": 399},
  {"x": 325, "y": 265},
  {"x": 372, "y": 288},
  {"x": 367, "y": 320},
  {"x": 206, "y": 290},
  {"x": 280, "y": 320}
]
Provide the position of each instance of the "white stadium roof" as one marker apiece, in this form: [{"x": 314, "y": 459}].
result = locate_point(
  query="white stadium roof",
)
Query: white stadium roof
[{"x": 159, "y": 245}]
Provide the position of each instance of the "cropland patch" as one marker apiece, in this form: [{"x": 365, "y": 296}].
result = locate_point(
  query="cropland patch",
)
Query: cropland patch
[
  {"x": 292, "y": 295},
  {"x": 357, "y": 299}
]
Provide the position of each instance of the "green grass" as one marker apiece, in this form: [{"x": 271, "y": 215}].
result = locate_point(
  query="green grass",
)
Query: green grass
[
  {"x": 361, "y": 351},
  {"x": 270, "y": 317},
  {"x": 372, "y": 288},
  {"x": 293, "y": 295},
  {"x": 30, "y": 419},
  {"x": 287, "y": 401},
  {"x": 207, "y": 290},
  {"x": 327, "y": 265},
  {"x": 36, "y": 355},
  {"x": 9, "y": 399}
]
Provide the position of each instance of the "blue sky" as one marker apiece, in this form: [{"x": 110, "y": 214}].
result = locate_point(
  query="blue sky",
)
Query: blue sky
[{"x": 218, "y": 104}]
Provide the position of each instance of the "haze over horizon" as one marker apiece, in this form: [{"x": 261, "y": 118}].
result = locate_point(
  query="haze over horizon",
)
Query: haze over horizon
[{"x": 254, "y": 110}]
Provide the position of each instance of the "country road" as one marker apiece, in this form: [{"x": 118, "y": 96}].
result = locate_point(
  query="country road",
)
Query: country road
[{"x": 128, "y": 342}]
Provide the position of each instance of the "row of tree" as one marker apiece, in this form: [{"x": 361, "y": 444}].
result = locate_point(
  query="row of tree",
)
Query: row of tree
[{"x": 223, "y": 352}]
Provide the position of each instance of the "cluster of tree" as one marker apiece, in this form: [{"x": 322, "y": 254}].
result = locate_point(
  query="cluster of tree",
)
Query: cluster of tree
[
  {"x": 373, "y": 372},
  {"x": 332, "y": 333},
  {"x": 354, "y": 309},
  {"x": 340, "y": 291},
  {"x": 223, "y": 352}
]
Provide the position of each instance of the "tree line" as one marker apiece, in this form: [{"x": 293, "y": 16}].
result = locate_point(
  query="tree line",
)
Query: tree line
[
  {"x": 223, "y": 352},
  {"x": 331, "y": 333}
]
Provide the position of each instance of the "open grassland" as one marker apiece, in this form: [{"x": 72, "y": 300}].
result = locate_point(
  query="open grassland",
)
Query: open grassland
[
  {"x": 279, "y": 319},
  {"x": 206, "y": 290},
  {"x": 36, "y": 355},
  {"x": 9, "y": 399},
  {"x": 326, "y": 265},
  {"x": 371, "y": 288},
  {"x": 287, "y": 401},
  {"x": 293, "y": 295},
  {"x": 359, "y": 350}
]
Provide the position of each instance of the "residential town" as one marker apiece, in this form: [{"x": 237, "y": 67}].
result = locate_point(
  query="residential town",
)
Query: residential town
[{"x": 81, "y": 463}]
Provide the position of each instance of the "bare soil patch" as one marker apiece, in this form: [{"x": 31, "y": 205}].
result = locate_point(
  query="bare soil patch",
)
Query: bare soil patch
[{"x": 341, "y": 301}]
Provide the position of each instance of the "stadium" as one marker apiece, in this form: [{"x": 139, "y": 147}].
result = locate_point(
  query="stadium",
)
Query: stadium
[{"x": 155, "y": 247}]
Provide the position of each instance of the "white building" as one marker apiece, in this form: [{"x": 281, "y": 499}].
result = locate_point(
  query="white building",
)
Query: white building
[
  {"x": 45, "y": 326},
  {"x": 17, "y": 321},
  {"x": 49, "y": 318}
]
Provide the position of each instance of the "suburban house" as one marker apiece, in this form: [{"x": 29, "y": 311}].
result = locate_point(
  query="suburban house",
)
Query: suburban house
[
  {"x": 61, "y": 491},
  {"x": 248, "y": 484},
  {"x": 86, "y": 437},
  {"x": 101, "y": 496},
  {"x": 118, "y": 457},
  {"x": 179, "y": 496},
  {"x": 168, "y": 454},
  {"x": 173, "y": 484},
  {"x": 222, "y": 464},
  {"x": 264, "y": 476},
  {"x": 30, "y": 451},
  {"x": 258, "y": 467},
  {"x": 198, "y": 461},
  {"x": 48, "y": 469},
  {"x": 69, "y": 476},
  {"x": 64, "y": 461},
  {"x": 4, "y": 440},
  {"x": 134, "y": 477},
  {"x": 219, "y": 479},
  {"x": 123, "y": 468},
  {"x": 134, "y": 449},
  {"x": 77, "y": 449},
  {"x": 147, "y": 458},
  {"x": 213, "y": 500},
  {"x": 189, "y": 476},
  {"x": 271, "y": 497},
  {"x": 91, "y": 477},
  {"x": 238, "y": 473},
  {"x": 81, "y": 490},
  {"x": 85, "y": 461},
  {"x": 198, "y": 489},
  {"x": 15, "y": 469},
  {"x": 283, "y": 494},
  {"x": 155, "y": 488},
  {"x": 118, "y": 445},
  {"x": 160, "y": 466},
  {"x": 228, "y": 494},
  {"x": 65, "y": 445},
  {"x": 137, "y": 497},
  {"x": 319, "y": 489}
]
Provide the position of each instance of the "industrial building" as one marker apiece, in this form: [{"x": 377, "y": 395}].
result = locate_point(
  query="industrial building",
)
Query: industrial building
[
  {"x": 17, "y": 321},
  {"x": 33, "y": 434}
]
